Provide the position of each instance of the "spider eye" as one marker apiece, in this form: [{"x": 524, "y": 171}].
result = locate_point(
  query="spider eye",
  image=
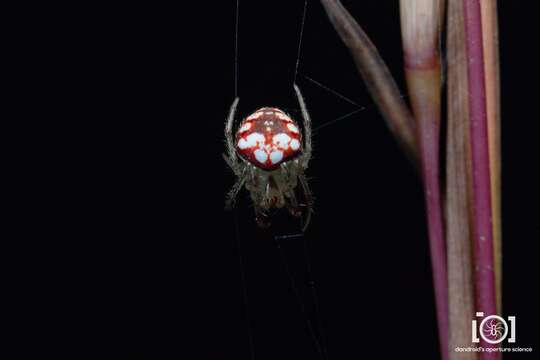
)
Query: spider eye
[{"x": 267, "y": 138}]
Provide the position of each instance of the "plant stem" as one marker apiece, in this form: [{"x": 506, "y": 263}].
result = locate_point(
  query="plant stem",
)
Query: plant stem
[
  {"x": 424, "y": 87},
  {"x": 481, "y": 181},
  {"x": 420, "y": 28},
  {"x": 493, "y": 101},
  {"x": 458, "y": 224},
  {"x": 376, "y": 75}
]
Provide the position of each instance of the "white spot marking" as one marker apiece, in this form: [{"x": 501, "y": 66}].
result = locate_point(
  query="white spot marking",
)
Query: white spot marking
[
  {"x": 293, "y": 128},
  {"x": 269, "y": 113},
  {"x": 261, "y": 156},
  {"x": 281, "y": 141},
  {"x": 283, "y": 117},
  {"x": 256, "y": 115},
  {"x": 251, "y": 141},
  {"x": 295, "y": 144},
  {"x": 276, "y": 156},
  {"x": 245, "y": 127},
  {"x": 268, "y": 128},
  {"x": 254, "y": 138},
  {"x": 242, "y": 144}
]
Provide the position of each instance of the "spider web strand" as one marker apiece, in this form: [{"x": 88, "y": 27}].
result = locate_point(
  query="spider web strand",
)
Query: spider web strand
[
  {"x": 300, "y": 41},
  {"x": 343, "y": 97},
  {"x": 236, "y": 49},
  {"x": 244, "y": 285},
  {"x": 294, "y": 287},
  {"x": 311, "y": 283},
  {"x": 331, "y": 122}
]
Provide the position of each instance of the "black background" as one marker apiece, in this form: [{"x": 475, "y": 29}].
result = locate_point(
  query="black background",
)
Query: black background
[{"x": 146, "y": 259}]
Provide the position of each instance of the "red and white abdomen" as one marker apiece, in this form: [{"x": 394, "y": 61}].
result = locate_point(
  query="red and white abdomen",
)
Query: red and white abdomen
[{"x": 267, "y": 138}]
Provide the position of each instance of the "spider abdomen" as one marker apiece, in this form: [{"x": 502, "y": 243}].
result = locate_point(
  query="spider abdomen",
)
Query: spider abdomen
[{"x": 267, "y": 138}]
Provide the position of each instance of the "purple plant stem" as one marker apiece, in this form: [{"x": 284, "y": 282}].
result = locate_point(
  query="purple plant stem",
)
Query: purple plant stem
[
  {"x": 376, "y": 76},
  {"x": 432, "y": 191},
  {"x": 423, "y": 73},
  {"x": 481, "y": 182},
  {"x": 427, "y": 113},
  {"x": 458, "y": 190}
]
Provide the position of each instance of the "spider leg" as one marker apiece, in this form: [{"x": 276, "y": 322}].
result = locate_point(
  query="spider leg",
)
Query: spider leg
[
  {"x": 235, "y": 166},
  {"x": 231, "y": 158},
  {"x": 309, "y": 199},
  {"x": 261, "y": 218},
  {"x": 257, "y": 191},
  {"x": 231, "y": 195},
  {"x": 288, "y": 197},
  {"x": 307, "y": 128},
  {"x": 292, "y": 204}
]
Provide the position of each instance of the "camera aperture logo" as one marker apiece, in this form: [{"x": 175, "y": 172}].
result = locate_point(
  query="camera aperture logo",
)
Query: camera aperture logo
[{"x": 492, "y": 331}]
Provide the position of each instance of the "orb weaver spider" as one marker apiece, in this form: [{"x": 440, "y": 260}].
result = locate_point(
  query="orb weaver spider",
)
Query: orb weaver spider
[{"x": 268, "y": 156}]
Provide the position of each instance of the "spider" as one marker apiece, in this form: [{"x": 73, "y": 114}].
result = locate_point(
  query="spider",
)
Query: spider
[{"x": 268, "y": 157}]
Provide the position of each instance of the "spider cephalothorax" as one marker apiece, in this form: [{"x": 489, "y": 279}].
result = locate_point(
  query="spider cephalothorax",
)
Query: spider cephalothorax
[{"x": 269, "y": 156}]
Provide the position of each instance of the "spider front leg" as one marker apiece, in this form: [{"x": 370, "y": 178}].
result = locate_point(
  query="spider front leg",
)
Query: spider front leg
[
  {"x": 306, "y": 156},
  {"x": 231, "y": 158}
]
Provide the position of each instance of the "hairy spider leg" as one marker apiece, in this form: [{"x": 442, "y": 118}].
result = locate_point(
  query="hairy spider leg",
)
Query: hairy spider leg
[
  {"x": 231, "y": 196},
  {"x": 309, "y": 199}
]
